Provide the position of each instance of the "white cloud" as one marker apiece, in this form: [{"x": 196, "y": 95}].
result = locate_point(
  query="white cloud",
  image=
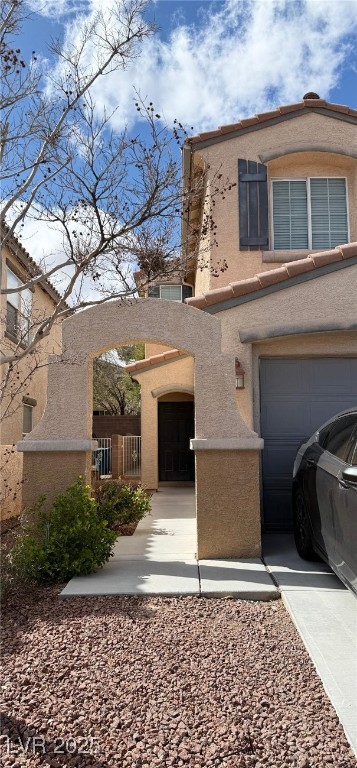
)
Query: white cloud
[
  {"x": 247, "y": 56},
  {"x": 58, "y": 8}
]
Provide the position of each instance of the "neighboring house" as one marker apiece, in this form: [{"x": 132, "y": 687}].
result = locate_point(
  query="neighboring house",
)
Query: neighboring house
[
  {"x": 286, "y": 301},
  {"x": 26, "y": 397}
]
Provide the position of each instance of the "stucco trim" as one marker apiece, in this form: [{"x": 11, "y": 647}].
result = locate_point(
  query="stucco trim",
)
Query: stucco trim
[
  {"x": 259, "y": 333},
  {"x": 165, "y": 389},
  {"x": 34, "y": 446},
  {"x": 253, "y": 443},
  {"x": 291, "y": 149},
  {"x": 288, "y": 283},
  {"x": 220, "y": 135}
]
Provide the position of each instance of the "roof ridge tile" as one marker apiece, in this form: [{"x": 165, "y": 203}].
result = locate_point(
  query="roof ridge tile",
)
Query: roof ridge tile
[{"x": 153, "y": 360}]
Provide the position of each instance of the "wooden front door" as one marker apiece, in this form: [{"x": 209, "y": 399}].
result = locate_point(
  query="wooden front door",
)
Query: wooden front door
[{"x": 176, "y": 428}]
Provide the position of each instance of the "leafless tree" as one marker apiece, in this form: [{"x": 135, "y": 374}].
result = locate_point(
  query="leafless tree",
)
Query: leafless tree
[{"x": 116, "y": 198}]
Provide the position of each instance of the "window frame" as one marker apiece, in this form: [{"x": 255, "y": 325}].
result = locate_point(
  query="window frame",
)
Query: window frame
[
  {"x": 307, "y": 179},
  {"x": 171, "y": 285},
  {"x": 27, "y": 405},
  {"x": 16, "y": 300}
]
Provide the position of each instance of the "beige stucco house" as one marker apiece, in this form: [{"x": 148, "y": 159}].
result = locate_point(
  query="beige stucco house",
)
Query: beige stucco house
[
  {"x": 241, "y": 364},
  {"x": 26, "y": 391},
  {"x": 286, "y": 300}
]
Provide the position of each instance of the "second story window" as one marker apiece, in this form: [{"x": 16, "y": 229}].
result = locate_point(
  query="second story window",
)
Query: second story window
[
  {"x": 27, "y": 419},
  {"x": 309, "y": 213},
  {"x": 18, "y": 309},
  {"x": 170, "y": 292}
]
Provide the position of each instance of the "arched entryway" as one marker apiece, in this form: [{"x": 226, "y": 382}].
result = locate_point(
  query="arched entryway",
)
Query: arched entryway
[{"x": 226, "y": 450}]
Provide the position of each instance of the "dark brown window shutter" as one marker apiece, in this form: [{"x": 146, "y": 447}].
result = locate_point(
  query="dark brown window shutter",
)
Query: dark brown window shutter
[
  {"x": 186, "y": 292},
  {"x": 154, "y": 291},
  {"x": 253, "y": 205}
]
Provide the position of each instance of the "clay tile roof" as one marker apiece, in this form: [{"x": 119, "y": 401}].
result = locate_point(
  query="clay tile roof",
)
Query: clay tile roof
[
  {"x": 266, "y": 116},
  {"x": 19, "y": 252},
  {"x": 149, "y": 362},
  {"x": 273, "y": 276}
]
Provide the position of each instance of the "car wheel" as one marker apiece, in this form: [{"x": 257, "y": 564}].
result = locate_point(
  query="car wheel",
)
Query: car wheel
[{"x": 302, "y": 527}]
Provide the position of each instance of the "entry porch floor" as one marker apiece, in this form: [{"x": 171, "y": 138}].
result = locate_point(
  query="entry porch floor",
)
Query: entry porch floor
[{"x": 160, "y": 559}]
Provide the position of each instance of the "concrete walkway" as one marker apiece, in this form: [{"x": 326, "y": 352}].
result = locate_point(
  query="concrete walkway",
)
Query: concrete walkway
[
  {"x": 160, "y": 559},
  {"x": 325, "y": 614}
]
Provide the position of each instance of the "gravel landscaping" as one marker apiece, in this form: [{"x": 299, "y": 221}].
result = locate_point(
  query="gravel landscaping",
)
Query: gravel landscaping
[{"x": 150, "y": 682}]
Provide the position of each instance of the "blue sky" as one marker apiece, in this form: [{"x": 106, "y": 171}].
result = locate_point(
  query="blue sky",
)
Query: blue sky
[{"x": 212, "y": 63}]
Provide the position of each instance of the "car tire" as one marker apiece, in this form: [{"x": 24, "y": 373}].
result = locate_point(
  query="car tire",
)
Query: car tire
[{"x": 302, "y": 527}]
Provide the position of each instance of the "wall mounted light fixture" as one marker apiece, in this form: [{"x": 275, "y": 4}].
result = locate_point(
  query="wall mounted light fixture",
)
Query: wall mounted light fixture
[{"x": 240, "y": 372}]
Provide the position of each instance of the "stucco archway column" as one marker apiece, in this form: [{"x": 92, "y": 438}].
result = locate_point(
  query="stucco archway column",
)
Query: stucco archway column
[{"x": 59, "y": 448}]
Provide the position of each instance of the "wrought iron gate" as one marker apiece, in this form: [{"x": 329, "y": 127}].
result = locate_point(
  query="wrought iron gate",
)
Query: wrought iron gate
[{"x": 132, "y": 455}]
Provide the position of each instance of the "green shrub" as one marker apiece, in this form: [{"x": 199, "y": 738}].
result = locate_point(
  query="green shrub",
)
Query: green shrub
[
  {"x": 70, "y": 539},
  {"x": 120, "y": 504}
]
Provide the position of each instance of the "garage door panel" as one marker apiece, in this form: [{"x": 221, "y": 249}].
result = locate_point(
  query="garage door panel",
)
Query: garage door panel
[
  {"x": 279, "y": 418},
  {"x": 278, "y": 460},
  {"x": 280, "y": 499},
  {"x": 329, "y": 376},
  {"x": 323, "y": 411},
  {"x": 282, "y": 374},
  {"x": 297, "y": 396}
]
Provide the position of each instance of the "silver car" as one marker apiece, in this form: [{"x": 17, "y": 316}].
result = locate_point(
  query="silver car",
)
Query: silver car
[{"x": 325, "y": 496}]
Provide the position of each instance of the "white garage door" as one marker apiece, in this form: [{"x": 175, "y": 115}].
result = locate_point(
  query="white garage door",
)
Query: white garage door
[{"x": 297, "y": 395}]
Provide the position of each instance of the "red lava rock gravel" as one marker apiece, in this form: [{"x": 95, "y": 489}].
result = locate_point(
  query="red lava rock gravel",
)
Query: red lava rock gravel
[{"x": 148, "y": 682}]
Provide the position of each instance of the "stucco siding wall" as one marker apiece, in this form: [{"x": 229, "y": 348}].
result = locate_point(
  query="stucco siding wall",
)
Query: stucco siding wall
[
  {"x": 303, "y": 131},
  {"x": 155, "y": 349},
  {"x": 51, "y": 473},
  {"x": 29, "y": 382},
  {"x": 206, "y": 246},
  {"x": 326, "y": 299},
  {"x": 228, "y": 523},
  {"x": 10, "y": 482}
]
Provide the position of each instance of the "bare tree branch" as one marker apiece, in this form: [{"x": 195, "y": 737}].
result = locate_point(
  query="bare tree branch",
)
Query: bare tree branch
[{"x": 112, "y": 201}]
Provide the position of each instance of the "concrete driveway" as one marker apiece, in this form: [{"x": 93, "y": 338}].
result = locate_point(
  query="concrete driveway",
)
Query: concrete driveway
[{"x": 325, "y": 614}]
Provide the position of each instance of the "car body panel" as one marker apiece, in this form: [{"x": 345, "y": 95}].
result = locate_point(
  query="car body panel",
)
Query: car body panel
[{"x": 331, "y": 501}]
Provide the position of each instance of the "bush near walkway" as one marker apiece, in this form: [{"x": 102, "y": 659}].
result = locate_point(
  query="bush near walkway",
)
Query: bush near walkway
[
  {"x": 76, "y": 536},
  {"x": 121, "y": 504},
  {"x": 70, "y": 539}
]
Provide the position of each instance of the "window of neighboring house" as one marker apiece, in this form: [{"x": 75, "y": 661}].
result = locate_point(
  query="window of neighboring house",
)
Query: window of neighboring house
[
  {"x": 309, "y": 213},
  {"x": 170, "y": 292},
  {"x": 27, "y": 419},
  {"x": 18, "y": 309}
]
